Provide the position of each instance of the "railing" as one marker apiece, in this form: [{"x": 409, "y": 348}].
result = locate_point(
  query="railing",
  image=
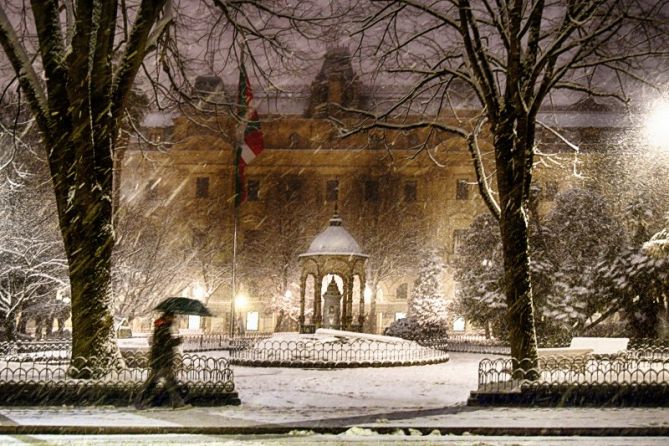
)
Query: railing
[
  {"x": 50, "y": 347},
  {"x": 649, "y": 366},
  {"x": 26, "y": 380},
  {"x": 218, "y": 341},
  {"x": 477, "y": 344},
  {"x": 355, "y": 353}
]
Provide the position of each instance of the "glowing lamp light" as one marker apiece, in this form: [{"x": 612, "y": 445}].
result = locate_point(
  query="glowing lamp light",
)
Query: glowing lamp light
[
  {"x": 199, "y": 292},
  {"x": 656, "y": 128},
  {"x": 241, "y": 301},
  {"x": 367, "y": 294}
]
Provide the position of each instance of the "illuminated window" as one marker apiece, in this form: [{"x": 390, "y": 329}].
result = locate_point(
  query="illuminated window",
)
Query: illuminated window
[{"x": 252, "y": 321}]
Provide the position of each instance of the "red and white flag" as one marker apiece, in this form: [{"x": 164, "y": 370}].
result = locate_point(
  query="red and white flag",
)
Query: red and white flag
[{"x": 251, "y": 138}]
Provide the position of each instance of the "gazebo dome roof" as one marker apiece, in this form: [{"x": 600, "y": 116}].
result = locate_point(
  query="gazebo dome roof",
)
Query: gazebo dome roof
[{"x": 334, "y": 240}]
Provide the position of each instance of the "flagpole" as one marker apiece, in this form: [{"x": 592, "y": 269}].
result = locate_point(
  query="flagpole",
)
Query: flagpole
[{"x": 234, "y": 267}]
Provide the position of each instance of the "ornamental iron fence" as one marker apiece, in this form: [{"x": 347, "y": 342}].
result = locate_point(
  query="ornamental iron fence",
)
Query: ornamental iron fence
[
  {"x": 634, "y": 368},
  {"x": 52, "y": 380},
  {"x": 219, "y": 341},
  {"x": 358, "y": 352},
  {"x": 477, "y": 344}
]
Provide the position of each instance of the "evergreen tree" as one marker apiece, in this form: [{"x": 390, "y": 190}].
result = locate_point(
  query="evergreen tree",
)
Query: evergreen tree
[{"x": 427, "y": 305}]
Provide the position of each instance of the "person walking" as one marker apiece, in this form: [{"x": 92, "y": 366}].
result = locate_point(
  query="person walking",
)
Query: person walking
[{"x": 161, "y": 362}]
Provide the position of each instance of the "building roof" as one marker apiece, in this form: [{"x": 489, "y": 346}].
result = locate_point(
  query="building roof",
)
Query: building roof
[{"x": 334, "y": 240}]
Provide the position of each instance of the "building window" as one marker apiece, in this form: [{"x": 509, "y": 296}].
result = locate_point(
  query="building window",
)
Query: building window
[
  {"x": 462, "y": 189},
  {"x": 292, "y": 189},
  {"x": 199, "y": 238},
  {"x": 371, "y": 190},
  {"x": 152, "y": 189},
  {"x": 252, "y": 321},
  {"x": 550, "y": 190},
  {"x": 253, "y": 190},
  {"x": 194, "y": 322},
  {"x": 458, "y": 240},
  {"x": 332, "y": 190},
  {"x": 402, "y": 292},
  {"x": 410, "y": 191},
  {"x": 202, "y": 187}
]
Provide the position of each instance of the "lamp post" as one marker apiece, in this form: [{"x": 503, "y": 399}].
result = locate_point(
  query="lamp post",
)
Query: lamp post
[
  {"x": 656, "y": 125},
  {"x": 241, "y": 300}
]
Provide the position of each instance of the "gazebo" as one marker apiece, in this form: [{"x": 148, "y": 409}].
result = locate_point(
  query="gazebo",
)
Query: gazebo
[{"x": 333, "y": 251}]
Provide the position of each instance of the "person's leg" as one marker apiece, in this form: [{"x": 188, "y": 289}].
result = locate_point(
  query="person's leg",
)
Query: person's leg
[
  {"x": 172, "y": 388},
  {"x": 147, "y": 394}
]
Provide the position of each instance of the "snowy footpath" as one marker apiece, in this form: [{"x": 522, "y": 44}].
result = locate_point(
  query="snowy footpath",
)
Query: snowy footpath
[{"x": 343, "y": 406}]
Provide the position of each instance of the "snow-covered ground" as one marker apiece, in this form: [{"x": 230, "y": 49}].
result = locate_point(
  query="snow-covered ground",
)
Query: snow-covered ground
[
  {"x": 431, "y": 396},
  {"x": 349, "y": 392}
]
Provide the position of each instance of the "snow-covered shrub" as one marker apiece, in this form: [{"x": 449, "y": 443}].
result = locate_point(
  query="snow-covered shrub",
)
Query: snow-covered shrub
[{"x": 409, "y": 328}]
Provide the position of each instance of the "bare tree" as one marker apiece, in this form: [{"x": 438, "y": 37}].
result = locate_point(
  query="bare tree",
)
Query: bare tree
[
  {"x": 32, "y": 261},
  {"x": 272, "y": 244},
  {"x": 512, "y": 56},
  {"x": 76, "y": 63},
  {"x": 393, "y": 252}
]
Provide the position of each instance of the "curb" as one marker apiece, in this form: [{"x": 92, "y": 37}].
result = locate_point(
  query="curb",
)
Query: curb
[{"x": 645, "y": 431}]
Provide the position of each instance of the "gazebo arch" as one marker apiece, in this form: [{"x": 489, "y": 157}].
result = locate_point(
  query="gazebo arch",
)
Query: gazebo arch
[{"x": 334, "y": 251}]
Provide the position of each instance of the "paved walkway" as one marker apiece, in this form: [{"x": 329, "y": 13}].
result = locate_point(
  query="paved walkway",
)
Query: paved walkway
[
  {"x": 239, "y": 420},
  {"x": 328, "y": 403}
]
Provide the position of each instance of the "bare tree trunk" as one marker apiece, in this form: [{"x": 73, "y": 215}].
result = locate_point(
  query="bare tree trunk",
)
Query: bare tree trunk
[
  {"x": 513, "y": 186},
  {"x": 10, "y": 326}
]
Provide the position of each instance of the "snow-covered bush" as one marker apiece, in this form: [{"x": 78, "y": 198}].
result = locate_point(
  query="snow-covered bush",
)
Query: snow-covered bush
[
  {"x": 409, "y": 328},
  {"x": 427, "y": 315}
]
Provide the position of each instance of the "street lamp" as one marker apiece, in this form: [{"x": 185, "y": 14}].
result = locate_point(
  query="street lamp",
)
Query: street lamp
[
  {"x": 241, "y": 301},
  {"x": 656, "y": 127}
]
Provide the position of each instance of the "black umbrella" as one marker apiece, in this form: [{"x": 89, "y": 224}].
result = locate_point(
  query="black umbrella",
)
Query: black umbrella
[{"x": 183, "y": 305}]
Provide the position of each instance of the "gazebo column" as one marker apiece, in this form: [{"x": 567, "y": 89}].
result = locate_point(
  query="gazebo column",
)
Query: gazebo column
[
  {"x": 361, "y": 316},
  {"x": 303, "y": 286},
  {"x": 318, "y": 312},
  {"x": 344, "y": 307},
  {"x": 349, "y": 301}
]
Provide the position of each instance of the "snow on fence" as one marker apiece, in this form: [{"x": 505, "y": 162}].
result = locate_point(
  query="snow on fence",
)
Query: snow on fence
[
  {"x": 477, "y": 344},
  {"x": 338, "y": 349},
  {"x": 48, "y": 380},
  {"x": 219, "y": 341},
  {"x": 632, "y": 368}
]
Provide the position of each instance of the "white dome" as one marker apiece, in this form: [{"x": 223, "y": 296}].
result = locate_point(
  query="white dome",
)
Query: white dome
[{"x": 335, "y": 240}]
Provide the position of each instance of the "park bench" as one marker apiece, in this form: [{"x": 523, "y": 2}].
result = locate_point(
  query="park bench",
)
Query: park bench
[
  {"x": 580, "y": 346},
  {"x": 583, "y": 348}
]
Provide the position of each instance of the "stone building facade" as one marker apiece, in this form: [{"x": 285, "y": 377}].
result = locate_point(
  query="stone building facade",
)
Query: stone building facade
[{"x": 398, "y": 193}]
